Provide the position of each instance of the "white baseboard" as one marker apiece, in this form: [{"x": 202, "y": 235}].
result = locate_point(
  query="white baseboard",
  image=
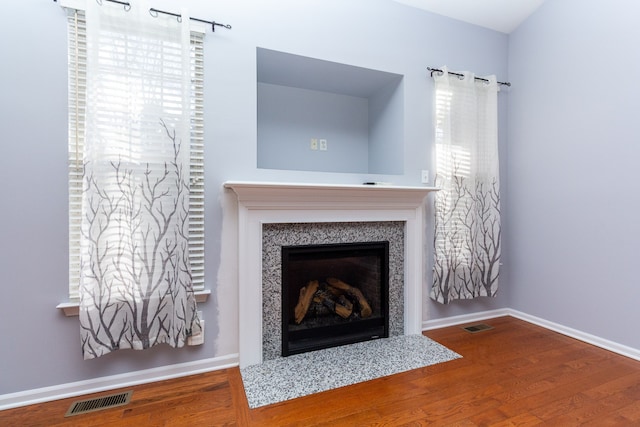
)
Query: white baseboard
[
  {"x": 129, "y": 379},
  {"x": 615, "y": 347},
  {"x": 621, "y": 349},
  {"x": 465, "y": 318}
]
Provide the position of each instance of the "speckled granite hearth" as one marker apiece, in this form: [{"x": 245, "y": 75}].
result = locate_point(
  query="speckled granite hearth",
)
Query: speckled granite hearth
[{"x": 313, "y": 372}]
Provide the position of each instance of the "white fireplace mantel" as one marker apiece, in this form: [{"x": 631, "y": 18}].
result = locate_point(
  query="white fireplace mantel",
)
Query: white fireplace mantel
[
  {"x": 256, "y": 195},
  {"x": 264, "y": 203}
]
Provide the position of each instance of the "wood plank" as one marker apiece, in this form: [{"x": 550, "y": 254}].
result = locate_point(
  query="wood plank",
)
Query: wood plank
[{"x": 514, "y": 374}]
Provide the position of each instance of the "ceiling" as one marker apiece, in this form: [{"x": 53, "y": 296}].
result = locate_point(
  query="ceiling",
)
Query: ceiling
[{"x": 499, "y": 15}]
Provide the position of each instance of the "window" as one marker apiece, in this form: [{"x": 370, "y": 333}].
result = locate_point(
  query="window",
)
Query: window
[{"x": 77, "y": 108}]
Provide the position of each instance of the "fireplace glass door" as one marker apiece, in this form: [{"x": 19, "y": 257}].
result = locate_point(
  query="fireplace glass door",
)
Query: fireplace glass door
[{"x": 334, "y": 294}]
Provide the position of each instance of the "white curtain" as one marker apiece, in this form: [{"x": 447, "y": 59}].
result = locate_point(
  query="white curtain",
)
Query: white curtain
[
  {"x": 467, "y": 209},
  {"x": 135, "y": 281}
]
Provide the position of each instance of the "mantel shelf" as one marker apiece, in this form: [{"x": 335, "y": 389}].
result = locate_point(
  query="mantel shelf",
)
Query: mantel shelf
[{"x": 314, "y": 196}]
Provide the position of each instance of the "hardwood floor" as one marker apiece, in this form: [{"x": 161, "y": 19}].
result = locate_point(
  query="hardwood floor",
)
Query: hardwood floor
[{"x": 515, "y": 374}]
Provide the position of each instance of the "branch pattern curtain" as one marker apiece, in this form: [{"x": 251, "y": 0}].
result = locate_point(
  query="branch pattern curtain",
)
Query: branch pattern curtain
[
  {"x": 467, "y": 209},
  {"x": 135, "y": 280}
]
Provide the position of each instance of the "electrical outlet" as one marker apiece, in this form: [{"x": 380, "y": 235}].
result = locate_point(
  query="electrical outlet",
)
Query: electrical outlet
[
  {"x": 314, "y": 144},
  {"x": 425, "y": 176},
  {"x": 323, "y": 145}
]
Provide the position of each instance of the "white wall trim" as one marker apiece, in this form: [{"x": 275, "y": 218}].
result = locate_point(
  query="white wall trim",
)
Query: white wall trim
[
  {"x": 96, "y": 385},
  {"x": 465, "y": 318},
  {"x": 72, "y": 308},
  {"x": 620, "y": 349},
  {"x": 269, "y": 203},
  {"x": 615, "y": 347}
]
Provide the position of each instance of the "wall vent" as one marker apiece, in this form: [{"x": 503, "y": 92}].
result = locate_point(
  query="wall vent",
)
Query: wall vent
[
  {"x": 477, "y": 328},
  {"x": 99, "y": 403}
]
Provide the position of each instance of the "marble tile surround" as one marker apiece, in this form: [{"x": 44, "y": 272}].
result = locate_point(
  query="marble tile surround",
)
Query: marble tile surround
[{"x": 276, "y": 235}]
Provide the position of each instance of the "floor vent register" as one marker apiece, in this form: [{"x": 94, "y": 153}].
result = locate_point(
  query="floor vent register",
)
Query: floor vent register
[
  {"x": 477, "y": 328},
  {"x": 98, "y": 404}
]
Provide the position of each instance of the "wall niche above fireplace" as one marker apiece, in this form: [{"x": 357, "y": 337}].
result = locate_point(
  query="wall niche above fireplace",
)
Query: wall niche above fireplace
[{"x": 358, "y": 111}]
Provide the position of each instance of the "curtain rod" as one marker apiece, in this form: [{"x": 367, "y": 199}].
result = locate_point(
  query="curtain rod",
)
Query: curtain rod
[
  {"x": 436, "y": 70},
  {"x": 155, "y": 12}
]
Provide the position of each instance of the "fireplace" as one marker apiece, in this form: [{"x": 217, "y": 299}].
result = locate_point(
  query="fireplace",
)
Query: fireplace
[
  {"x": 327, "y": 236},
  {"x": 263, "y": 208},
  {"x": 334, "y": 294}
]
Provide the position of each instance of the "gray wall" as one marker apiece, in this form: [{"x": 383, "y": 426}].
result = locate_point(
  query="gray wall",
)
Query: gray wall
[
  {"x": 289, "y": 117},
  {"x": 574, "y": 133},
  {"x": 40, "y": 346}
]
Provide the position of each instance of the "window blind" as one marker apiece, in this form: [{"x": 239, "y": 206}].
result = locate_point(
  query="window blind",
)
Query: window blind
[{"x": 77, "y": 107}]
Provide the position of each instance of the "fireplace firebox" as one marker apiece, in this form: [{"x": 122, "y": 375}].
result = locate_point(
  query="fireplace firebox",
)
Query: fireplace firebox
[{"x": 334, "y": 294}]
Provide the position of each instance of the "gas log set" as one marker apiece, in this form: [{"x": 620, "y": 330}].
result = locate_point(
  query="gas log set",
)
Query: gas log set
[{"x": 331, "y": 296}]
